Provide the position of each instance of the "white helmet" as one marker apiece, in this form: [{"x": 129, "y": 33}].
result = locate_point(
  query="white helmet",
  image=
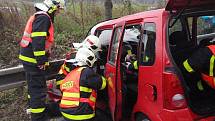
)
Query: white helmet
[
  {"x": 93, "y": 43},
  {"x": 85, "y": 56},
  {"x": 50, "y": 4}
]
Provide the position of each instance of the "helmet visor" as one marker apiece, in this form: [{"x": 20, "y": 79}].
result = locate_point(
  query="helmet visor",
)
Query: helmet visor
[{"x": 95, "y": 48}]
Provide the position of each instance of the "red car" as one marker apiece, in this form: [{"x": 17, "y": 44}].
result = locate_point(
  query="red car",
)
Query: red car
[{"x": 161, "y": 40}]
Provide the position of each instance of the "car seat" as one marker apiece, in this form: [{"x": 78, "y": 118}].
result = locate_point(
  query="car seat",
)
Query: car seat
[{"x": 180, "y": 47}]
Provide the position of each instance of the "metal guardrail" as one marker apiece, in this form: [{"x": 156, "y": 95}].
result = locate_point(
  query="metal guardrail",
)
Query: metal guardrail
[{"x": 15, "y": 77}]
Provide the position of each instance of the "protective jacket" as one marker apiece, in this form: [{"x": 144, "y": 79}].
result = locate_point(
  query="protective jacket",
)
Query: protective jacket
[
  {"x": 37, "y": 39},
  {"x": 203, "y": 61},
  {"x": 79, "y": 93},
  {"x": 65, "y": 69}
]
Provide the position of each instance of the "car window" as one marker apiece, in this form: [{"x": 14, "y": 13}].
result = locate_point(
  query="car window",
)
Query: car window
[
  {"x": 148, "y": 44},
  {"x": 176, "y": 27},
  {"x": 131, "y": 39},
  {"x": 205, "y": 25},
  {"x": 104, "y": 36},
  {"x": 131, "y": 34},
  {"x": 115, "y": 45}
]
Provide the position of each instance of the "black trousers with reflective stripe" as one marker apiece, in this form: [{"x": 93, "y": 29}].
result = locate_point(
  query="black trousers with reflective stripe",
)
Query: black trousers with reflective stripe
[
  {"x": 37, "y": 90},
  {"x": 92, "y": 119}
]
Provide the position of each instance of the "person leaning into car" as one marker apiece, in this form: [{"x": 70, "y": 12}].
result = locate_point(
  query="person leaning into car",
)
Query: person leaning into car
[{"x": 202, "y": 61}]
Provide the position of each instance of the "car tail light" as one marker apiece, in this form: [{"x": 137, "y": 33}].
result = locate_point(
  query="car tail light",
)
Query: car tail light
[
  {"x": 178, "y": 100},
  {"x": 173, "y": 92}
]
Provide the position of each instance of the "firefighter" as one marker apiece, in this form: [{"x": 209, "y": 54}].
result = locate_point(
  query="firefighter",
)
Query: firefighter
[
  {"x": 79, "y": 88},
  {"x": 91, "y": 42},
  {"x": 130, "y": 61},
  {"x": 202, "y": 61},
  {"x": 36, "y": 43},
  {"x": 65, "y": 68}
]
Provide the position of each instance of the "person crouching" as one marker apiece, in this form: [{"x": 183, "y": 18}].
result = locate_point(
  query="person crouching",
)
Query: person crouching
[{"x": 79, "y": 88}]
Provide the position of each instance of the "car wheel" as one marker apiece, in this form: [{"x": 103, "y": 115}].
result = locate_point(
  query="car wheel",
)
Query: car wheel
[{"x": 141, "y": 117}]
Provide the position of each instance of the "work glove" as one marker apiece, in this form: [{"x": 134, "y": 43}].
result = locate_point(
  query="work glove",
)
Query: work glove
[
  {"x": 128, "y": 65},
  {"x": 130, "y": 58},
  {"x": 44, "y": 66}
]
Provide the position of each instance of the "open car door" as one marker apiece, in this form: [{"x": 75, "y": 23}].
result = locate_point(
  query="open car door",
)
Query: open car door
[
  {"x": 190, "y": 4},
  {"x": 112, "y": 73},
  {"x": 199, "y": 101}
]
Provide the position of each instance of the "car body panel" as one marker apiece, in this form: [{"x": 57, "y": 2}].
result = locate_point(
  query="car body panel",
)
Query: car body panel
[{"x": 189, "y": 4}]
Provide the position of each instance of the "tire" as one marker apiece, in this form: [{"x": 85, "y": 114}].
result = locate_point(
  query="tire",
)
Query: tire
[{"x": 141, "y": 117}]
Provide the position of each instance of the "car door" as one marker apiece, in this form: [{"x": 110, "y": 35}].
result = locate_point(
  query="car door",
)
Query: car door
[
  {"x": 150, "y": 67},
  {"x": 191, "y": 4},
  {"x": 112, "y": 73}
]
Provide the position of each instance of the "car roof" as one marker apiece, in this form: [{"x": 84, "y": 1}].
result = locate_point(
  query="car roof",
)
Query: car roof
[
  {"x": 188, "y": 4},
  {"x": 131, "y": 17}
]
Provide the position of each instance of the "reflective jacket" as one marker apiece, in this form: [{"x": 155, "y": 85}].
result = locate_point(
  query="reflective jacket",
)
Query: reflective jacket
[
  {"x": 79, "y": 93},
  {"x": 71, "y": 91},
  {"x": 66, "y": 67},
  {"x": 37, "y": 39},
  {"x": 203, "y": 61},
  {"x": 64, "y": 70},
  {"x": 209, "y": 78}
]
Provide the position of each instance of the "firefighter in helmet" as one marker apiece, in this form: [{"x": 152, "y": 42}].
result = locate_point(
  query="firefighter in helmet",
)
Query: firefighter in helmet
[
  {"x": 91, "y": 42},
  {"x": 36, "y": 43},
  {"x": 79, "y": 88},
  {"x": 202, "y": 61}
]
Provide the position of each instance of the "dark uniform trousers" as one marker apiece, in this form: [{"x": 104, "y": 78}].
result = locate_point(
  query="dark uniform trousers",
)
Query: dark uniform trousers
[
  {"x": 93, "y": 119},
  {"x": 37, "y": 91}
]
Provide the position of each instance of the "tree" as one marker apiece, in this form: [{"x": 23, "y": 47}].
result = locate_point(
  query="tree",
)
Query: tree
[
  {"x": 108, "y": 9},
  {"x": 161, "y": 3},
  {"x": 127, "y": 6},
  {"x": 1, "y": 21}
]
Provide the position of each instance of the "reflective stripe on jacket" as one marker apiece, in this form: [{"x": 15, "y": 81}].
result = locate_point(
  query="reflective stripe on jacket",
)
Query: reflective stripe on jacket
[
  {"x": 32, "y": 53},
  {"x": 209, "y": 78},
  {"x": 64, "y": 70},
  {"x": 71, "y": 88},
  {"x": 27, "y": 36}
]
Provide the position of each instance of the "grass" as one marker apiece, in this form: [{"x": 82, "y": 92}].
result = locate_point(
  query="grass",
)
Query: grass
[{"x": 13, "y": 104}]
